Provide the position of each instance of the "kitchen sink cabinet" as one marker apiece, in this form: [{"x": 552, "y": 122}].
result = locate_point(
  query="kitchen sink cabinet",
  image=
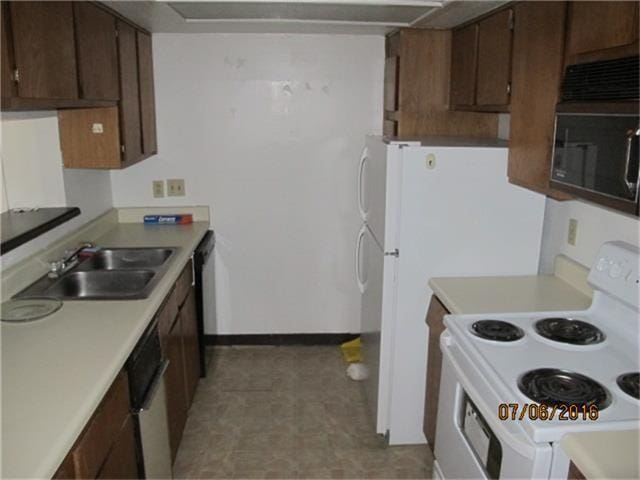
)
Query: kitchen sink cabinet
[
  {"x": 435, "y": 321},
  {"x": 106, "y": 447},
  {"x": 537, "y": 74},
  {"x": 96, "y": 52},
  {"x": 601, "y": 31},
  {"x": 178, "y": 329},
  {"x": 189, "y": 327}
]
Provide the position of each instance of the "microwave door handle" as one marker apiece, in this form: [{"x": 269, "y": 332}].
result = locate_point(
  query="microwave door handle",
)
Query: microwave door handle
[{"x": 632, "y": 187}]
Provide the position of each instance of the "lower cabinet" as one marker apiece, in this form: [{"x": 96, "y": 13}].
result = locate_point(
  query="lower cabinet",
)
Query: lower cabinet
[
  {"x": 178, "y": 329},
  {"x": 435, "y": 321},
  {"x": 106, "y": 448}
]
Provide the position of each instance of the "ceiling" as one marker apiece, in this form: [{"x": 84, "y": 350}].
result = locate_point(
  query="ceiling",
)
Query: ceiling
[{"x": 375, "y": 17}]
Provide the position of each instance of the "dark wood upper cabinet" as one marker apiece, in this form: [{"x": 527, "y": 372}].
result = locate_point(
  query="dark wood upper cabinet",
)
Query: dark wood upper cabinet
[
  {"x": 602, "y": 27},
  {"x": 130, "y": 132},
  {"x": 44, "y": 48},
  {"x": 97, "y": 52},
  {"x": 6, "y": 79},
  {"x": 494, "y": 60},
  {"x": 464, "y": 62},
  {"x": 537, "y": 73},
  {"x": 147, "y": 93}
]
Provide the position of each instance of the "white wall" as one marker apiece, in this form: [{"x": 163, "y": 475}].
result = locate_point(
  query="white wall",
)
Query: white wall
[
  {"x": 267, "y": 131},
  {"x": 596, "y": 225},
  {"x": 33, "y": 176}
]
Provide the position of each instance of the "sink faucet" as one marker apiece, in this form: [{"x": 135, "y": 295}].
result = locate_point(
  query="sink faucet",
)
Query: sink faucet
[{"x": 67, "y": 262}]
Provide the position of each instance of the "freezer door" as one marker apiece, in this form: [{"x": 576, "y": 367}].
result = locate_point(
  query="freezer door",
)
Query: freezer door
[
  {"x": 459, "y": 217},
  {"x": 378, "y": 190}
]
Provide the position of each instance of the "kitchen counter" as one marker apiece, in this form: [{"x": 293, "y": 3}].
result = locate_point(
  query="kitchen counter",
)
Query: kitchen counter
[
  {"x": 565, "y": 290},
  {"x": 56, "y": 370},
  {"x": 604, "y": 454}
]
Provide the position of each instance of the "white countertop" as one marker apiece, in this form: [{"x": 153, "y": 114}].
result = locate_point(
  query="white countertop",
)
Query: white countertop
[
  {"x": 604, "y": 454},
  {"x": 529, "y": 293},
  {"x": 56, "y": 370}
]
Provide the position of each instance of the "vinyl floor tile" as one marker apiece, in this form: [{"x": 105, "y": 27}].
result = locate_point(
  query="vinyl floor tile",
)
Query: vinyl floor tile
[{"x": 287, "y": 413}]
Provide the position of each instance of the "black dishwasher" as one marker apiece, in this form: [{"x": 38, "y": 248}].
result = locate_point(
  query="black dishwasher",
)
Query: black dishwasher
[{"x": 204, "y": 273}]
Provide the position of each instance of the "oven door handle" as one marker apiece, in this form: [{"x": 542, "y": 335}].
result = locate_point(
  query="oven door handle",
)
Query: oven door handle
[
  {"x": 513, "y": 440},
  {"x": 632, "y": 187},
  {"x": 155, "y": 383}
]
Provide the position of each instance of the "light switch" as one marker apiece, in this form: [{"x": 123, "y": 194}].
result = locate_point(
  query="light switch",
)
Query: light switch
[
  {"x": 158, "y": 188},
  {"x": 573, "y": 231}
]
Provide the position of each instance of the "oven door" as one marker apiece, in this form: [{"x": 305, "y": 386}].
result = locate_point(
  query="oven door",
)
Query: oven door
[
  {"x": 596, "y": 156},
  {"x": 470, "y": 440}
]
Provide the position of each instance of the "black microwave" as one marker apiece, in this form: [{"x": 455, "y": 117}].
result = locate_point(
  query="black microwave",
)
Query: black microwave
[
  {"x": 595, "y": 156},
  {"x": 595, "y": 148}
]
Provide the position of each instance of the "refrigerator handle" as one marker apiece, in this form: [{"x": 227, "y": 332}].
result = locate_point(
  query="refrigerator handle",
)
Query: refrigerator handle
[
  {"x": 359, "y": 281},
  {"x": 363, "y": 161}
]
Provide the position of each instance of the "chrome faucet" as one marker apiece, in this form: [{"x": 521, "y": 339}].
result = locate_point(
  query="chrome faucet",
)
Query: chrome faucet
[{"x": 68, "y": 261}]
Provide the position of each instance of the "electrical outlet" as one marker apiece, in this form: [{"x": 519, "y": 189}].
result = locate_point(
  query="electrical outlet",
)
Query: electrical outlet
[
  {"x": 175, "y": 187},
  {"x": 573, "y": 231},
  {"x": 158, "y": 188}
]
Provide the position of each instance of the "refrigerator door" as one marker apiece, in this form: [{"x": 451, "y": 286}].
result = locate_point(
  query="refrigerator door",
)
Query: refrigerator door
[
  {"x": 379, "y": 190},
  {"x": 373, "y": 271},
  {"x": 459, "y": 217}
]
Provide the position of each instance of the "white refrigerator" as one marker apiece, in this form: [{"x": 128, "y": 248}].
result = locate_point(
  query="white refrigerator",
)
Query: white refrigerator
[{"x": 430, "y": 208}]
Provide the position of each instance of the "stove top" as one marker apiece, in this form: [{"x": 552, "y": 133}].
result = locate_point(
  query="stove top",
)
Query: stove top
[
  {"x": 569, "y": 330},
  {"x": 557, "y": 388},
  {"x": 497, "y": 330},
  {"x": 629, "y": 383}
]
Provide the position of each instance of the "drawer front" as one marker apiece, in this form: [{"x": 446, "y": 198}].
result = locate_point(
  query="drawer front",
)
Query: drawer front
[
  {"x": 92, "y": 448},
  {"x": 183, "y": 285}
]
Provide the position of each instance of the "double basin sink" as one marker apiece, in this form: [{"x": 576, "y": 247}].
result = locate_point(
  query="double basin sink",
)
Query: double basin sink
[{"x": 108, "y": 274}]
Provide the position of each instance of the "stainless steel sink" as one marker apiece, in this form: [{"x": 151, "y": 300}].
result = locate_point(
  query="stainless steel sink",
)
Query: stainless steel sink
[
  {"x": 127, "y": 258},
  {"x": 100, "y": 284},
  {"x": 109, "y": 274}
]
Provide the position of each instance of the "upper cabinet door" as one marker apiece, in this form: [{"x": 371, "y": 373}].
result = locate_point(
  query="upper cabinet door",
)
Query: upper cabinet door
[
  {"x": 97, "y": 52},
  {"x": 147, "y": 94},
  {"x": 6, "y": 80},
  {"x": 464, "y": 62},
  {"x": 597, "y": 26},
  {"x": 494, "y": 59},
  {"x": 130, "y": 134},
  {"x": 44, "y": 48}
]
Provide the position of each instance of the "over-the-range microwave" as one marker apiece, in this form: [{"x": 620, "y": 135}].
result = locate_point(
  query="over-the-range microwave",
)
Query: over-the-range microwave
[{"x": 596, "y": 153}]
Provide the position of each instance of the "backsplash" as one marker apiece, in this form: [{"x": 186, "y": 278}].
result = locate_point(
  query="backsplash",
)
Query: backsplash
[{"x": 596, "y": 225}]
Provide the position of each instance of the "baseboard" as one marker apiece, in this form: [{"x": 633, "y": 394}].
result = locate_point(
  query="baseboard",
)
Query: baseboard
[{"x": 281, "y": 339}]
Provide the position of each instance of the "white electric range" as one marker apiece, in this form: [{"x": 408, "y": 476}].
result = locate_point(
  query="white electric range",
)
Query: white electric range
[{"x": 513, "y": 384}]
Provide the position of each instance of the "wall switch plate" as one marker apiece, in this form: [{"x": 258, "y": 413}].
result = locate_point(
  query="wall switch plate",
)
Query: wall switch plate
[
  {"x": 158, "y": 188},
  {"x": 175, "y": 187},
  {"x": 573, "y": 231}
]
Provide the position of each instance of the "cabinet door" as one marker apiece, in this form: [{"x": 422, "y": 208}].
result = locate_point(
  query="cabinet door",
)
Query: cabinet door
[
  {"x": 494, "y": 59},
  {"x": 121, "y": 461},
  {"x": 537, "y": 74},
  {"x": 6, "y": 79},
  {"x": 464, "y": 61},
  {"x": 600, "y": 25},
  {"x": 97, "y": 52},
  {"x": 175, "y": 388},
  {"x": 391, "y": 65},
  {"x": 44, "y": 47},
  {"x": 130, "y": 134},
  {"x": 435, "y": 317},
  {"x": 189, "y": 321},
  {"x": 147, "y": 95}
]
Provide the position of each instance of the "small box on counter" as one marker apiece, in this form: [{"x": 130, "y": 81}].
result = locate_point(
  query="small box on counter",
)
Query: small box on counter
[{"x": 182, "y": 219}]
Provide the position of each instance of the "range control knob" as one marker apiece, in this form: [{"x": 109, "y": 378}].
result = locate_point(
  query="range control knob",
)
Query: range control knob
[
  {"x": 602, "y": 264},
  {"x": 616, "y": 270}
]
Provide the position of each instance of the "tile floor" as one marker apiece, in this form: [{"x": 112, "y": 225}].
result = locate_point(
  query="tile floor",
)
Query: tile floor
[{"x": 287, "y": 412}]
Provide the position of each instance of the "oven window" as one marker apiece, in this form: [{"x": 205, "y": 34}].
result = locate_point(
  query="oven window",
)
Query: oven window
[{"x": 597, "y": 153}]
